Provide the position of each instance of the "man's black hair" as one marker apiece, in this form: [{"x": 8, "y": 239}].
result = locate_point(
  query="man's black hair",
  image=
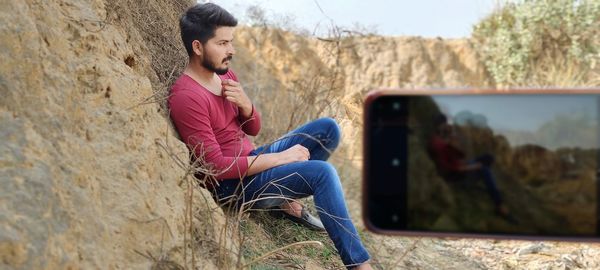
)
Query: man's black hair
[
  {"x": 439, "y": 119},
  {"x": 200, "y": 22}
]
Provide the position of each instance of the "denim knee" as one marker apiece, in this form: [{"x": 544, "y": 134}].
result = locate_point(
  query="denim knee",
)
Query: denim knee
[
  {"x": 333, "y": 130},
  {"x": 327, "y": 173}
]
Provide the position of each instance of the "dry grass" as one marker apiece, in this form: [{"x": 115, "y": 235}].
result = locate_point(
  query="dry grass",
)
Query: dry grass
[{"x": 559, "y": 71}]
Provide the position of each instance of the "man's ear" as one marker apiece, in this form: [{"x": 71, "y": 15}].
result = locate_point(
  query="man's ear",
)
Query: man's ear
[{"x": 197, "y": 47}]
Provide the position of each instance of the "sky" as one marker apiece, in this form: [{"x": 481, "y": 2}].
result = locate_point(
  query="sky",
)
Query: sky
[
  {"x": 511, "y": 115},
  {"x": 427, "y": 18},
  {"x": 527, "y": 113}
]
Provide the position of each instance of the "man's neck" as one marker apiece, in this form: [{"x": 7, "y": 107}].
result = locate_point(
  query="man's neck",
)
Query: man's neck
[
  {"x": 199, "y": 73},
  {"x": 204, "y": 77}
]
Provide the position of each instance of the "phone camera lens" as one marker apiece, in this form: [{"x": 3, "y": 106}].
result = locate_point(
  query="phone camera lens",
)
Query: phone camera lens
[{"x": 396, "y": 106}]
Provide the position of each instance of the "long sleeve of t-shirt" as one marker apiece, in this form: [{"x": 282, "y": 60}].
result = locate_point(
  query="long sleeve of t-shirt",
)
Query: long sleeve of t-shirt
[{"x": 212, "y": 127}]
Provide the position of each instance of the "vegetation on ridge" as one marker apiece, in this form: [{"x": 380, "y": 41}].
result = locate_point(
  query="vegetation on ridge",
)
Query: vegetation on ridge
[{"x": 542, "y": 43}]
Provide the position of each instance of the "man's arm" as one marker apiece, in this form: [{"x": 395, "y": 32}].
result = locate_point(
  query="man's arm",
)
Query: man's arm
[
  {"x": 470, "y": 167},
  {"x": 192, "y": 121},
  {"x": 248, "y": 115},
  {"x": 262, "y": 162},
  {"x": 250, "y": 121},
  {"x": 190, "y": 115}
]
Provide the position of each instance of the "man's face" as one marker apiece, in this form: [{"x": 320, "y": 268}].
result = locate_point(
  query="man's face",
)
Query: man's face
[
  {"x": 446, "y": 130},
  {"x": 218, "y": 51}
]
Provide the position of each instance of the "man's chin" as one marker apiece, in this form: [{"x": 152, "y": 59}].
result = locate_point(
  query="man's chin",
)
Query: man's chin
[{"x": 221, "y": 71}]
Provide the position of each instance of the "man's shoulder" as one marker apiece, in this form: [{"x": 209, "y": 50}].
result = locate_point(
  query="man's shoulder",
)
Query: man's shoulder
[
  {"x": 184, "y": 82},
  {"x": 187, "y": 94},
  {"x": 184, "y": 86}
]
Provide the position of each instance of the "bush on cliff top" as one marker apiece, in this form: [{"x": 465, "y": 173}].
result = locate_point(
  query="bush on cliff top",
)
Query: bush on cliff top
[{"x": 524, "y": 40}]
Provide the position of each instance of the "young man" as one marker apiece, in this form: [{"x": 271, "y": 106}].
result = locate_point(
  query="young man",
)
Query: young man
[
  {"x": 213, "y": 116},
  {"x": 452, "y": 164}
]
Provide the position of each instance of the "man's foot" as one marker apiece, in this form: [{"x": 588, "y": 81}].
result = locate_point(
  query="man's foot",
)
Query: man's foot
[
  {"x": 297, "y": 213},
  {"x": 503, "y": 211},
  {"x": 292, "y": 208}
]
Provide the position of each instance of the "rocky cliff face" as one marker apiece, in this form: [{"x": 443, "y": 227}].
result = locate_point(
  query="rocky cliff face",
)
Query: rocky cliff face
[
  {"x": 84, "y": 182},
  {"x": 91, "y": 174}
]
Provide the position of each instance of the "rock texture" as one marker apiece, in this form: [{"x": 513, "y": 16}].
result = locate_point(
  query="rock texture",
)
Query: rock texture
[{"x": 84, "y": 183}]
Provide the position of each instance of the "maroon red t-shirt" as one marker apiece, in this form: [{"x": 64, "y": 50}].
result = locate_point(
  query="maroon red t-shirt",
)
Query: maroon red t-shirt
[
  {"x": 211, "y": 126},
  {"x": 446, "y": 157}
]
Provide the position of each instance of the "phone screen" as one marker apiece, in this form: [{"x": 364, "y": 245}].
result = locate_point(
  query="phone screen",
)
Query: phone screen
[{"x": 490, "y": 164}]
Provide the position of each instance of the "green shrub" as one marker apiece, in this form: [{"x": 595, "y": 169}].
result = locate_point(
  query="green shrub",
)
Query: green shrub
[{"x": 522, "y": 36}]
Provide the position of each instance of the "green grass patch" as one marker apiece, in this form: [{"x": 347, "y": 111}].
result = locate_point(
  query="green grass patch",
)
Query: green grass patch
[{"x": 264, "y": 233}]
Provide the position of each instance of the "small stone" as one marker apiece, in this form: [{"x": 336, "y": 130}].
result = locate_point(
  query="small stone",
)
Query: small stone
[{"x": 531, "y": 249}]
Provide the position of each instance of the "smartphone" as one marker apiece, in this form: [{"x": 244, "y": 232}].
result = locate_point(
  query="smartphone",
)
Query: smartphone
[{"x": 519, "y": 164}]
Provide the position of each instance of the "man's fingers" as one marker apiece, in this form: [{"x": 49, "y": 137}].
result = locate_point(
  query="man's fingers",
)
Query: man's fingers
[
  {"x": 301, "y": 152},
  {"x": 304, "y": 155},
  {"x": 232, "y": 89},
  {"x": 232, "y": 99},
  {"x": 302, "y": 146},
  {"x": 230, "y": 82},
  {"x": 228, "y": 87},
  {"x": 305, "y": 151},
  {"x": 230, "y": 93}
]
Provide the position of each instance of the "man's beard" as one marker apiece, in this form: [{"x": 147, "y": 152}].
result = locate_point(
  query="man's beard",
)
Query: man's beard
[{"x": 206, "y": 63}]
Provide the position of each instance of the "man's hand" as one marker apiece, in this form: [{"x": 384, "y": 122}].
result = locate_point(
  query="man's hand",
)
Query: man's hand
[
  {"x": 471, "y": 167},
  {"x": 296, "y": 153},
  {"x": 293, "y": 154},
  {"x": 234, "y": 92}
]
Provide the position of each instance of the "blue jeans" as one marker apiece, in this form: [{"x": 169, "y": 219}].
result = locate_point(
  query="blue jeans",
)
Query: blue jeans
[
  {"x": 485, "y": 172},
  {"x": 301, "y": 179}
]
